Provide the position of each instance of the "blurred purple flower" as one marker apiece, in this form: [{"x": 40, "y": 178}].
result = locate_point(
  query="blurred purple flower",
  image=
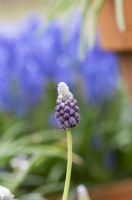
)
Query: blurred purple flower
[
  {"x": 100, "y": 75},
  {"x": 96, "y": 142},
  {"x": 110, "y": 160},
  {"x": 22, "y": 81},
  {"x": 52, "y": 120},
  {"x": 28, "y": 61}
]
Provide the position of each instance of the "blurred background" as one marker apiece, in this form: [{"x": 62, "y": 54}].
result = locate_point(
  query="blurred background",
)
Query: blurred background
[{"x": 41, "y": 44}]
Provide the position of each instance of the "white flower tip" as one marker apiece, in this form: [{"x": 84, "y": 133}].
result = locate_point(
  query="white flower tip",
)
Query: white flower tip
[
  {"x": 62, "y": 88},
  {"x": 62, "y": 84},
  {"x": 5, "y": 194},
  {"x": 63, "y": 91},
  {"x": 82, "y": 192},
  {"x": 81, "y": 189}
]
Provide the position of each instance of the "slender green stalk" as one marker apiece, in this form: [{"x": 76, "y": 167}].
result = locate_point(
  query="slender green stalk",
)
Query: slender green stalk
[
  {"x": 119, "y": 13},
  {"x": 83, "y": 29},
  {"x": 69, "y": 165},
  {"x": 94, "y": 12}
]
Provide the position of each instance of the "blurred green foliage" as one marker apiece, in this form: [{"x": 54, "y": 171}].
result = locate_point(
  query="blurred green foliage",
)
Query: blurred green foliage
[{"x": 102, "y": 145}]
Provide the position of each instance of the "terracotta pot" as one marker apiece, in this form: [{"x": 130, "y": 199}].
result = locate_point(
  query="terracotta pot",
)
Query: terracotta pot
[
  {"x": 116, "y": 191},
  {"x": 125, "y": 60},
  {"x": 111, "y": 37}
]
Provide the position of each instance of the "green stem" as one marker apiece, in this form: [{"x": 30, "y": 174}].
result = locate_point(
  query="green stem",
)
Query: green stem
[
  {"x": 94, "y": 12},
  {"x": 69, "y": 165},
  {"x": 119, "y": 13}
]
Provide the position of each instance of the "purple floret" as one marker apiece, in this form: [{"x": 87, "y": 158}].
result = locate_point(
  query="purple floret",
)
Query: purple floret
[
  {"x": 67, "y": 109},
  {"x": 72, "y": 112},
  {"x": 67, "y": 114},
  {"x": 57, "y": 108}
]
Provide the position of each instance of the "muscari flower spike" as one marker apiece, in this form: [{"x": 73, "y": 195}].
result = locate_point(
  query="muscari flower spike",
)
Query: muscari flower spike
[
  {"x": 5, "y": 194},
  {"x": 66, "y": 110}
]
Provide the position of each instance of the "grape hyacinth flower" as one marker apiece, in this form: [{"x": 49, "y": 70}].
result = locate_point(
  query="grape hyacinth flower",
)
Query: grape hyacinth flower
[
  {"x": 68, "y": 117},
  {"x": 5, "y": 194},
  {"x": 28, "y": 62},
  {"x": 100, "y": 75},
  {"x": 66, "y": 110}
]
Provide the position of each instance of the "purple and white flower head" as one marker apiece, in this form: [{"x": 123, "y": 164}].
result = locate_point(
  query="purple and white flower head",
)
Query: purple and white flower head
[
  {"x": 5, "y": 194},
  {"x": 66, "y": 110}
]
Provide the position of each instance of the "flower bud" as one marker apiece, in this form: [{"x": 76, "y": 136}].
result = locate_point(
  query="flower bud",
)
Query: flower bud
[{"x": 66, "y": 110}]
